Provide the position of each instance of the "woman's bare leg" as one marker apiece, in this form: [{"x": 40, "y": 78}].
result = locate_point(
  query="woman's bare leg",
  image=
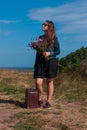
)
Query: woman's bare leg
[
  {"x": 50, "y": 89},
  {"x": 39, "y": 82}
]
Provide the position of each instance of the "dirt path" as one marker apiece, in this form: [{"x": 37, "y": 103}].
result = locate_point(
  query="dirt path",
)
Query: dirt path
[
  {"x": 73, "y": 115},
  {"x": 61, "y": 116}
]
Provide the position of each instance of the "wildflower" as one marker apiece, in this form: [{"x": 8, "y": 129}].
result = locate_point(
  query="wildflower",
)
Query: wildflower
[{"x": 40, "y": 45}]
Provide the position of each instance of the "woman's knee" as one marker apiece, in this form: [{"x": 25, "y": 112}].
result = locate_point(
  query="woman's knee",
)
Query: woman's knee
[
  {"x": 49, "y": 81},
  {"x": 39, "y": 82}
]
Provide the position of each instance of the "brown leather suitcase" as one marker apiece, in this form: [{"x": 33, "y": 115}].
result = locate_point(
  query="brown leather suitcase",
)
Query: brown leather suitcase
[{"x": 31, "y": 98}]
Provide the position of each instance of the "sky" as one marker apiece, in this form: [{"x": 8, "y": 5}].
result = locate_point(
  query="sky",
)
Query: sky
[{"x": 21, "y": 21}]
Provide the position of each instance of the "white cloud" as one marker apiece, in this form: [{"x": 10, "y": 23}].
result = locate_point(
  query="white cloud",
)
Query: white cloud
[
  {"x": 6, "y": 32},
  {"x": 71, "y": 23},
  {"x": 72, "y": 17},
  {"x": 8, "y": 21}
]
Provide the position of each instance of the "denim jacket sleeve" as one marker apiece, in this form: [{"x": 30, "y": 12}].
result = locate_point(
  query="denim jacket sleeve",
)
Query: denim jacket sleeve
[{"x": 56, "y": 48}]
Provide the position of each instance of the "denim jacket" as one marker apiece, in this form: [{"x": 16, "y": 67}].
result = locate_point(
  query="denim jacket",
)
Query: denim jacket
[{"x": 55, "y": 49}]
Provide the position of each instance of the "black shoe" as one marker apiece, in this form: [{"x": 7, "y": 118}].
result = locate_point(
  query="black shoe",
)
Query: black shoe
[
  {"x": 47, "y": 105},
  {"x": 40, "y": 103}
]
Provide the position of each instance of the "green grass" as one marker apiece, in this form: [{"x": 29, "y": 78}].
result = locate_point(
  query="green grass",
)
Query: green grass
[
  {"x": 63, "y": 126},
  {"x": 60, "y": 126},
  {"x": 29, "y": 120},
  {"x": 20, "y": 126},
  {"x": 71, "y": 89},
  {"x": 33, "y": 121},
  {"x": 8, "y": 88},
  {"x": 67, "y": 87}
]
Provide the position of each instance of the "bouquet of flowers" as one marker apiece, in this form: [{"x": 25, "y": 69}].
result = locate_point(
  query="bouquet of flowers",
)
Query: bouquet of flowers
[{"x": 39, "y": 45}]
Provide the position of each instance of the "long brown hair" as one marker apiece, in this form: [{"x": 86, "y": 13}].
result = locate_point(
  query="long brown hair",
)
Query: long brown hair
[{"x": 50, "y": 34}]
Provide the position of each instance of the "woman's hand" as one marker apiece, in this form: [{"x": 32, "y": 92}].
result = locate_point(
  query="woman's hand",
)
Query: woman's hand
[{"x": 46, "y": 54}]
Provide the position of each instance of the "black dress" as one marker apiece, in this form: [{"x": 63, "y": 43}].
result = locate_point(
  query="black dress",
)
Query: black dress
[{"x": 47, "y": 68}]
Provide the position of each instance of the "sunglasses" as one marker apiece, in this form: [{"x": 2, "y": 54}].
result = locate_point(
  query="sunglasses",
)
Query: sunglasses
[{"x": 44, "y": 24}]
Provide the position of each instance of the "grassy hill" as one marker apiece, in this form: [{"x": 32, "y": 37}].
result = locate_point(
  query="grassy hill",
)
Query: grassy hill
[
  {"x": 74, "y": 61},
  {"x": 70, "y": 84},
  {"x": 72, "y": 76},
  {"x": 69, "y": 100}
]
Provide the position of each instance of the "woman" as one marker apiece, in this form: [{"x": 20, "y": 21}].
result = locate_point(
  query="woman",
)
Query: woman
[{"x": 47, "y": 68}]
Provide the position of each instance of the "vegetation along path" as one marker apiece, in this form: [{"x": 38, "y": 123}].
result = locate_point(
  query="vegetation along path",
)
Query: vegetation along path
[
  {"x": 69, "y": 103},
  {"x": 67, "y": 112}
]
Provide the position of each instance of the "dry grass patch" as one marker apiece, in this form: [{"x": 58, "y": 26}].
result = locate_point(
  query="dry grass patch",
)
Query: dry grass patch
[{"x": 69, "y": 104}]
